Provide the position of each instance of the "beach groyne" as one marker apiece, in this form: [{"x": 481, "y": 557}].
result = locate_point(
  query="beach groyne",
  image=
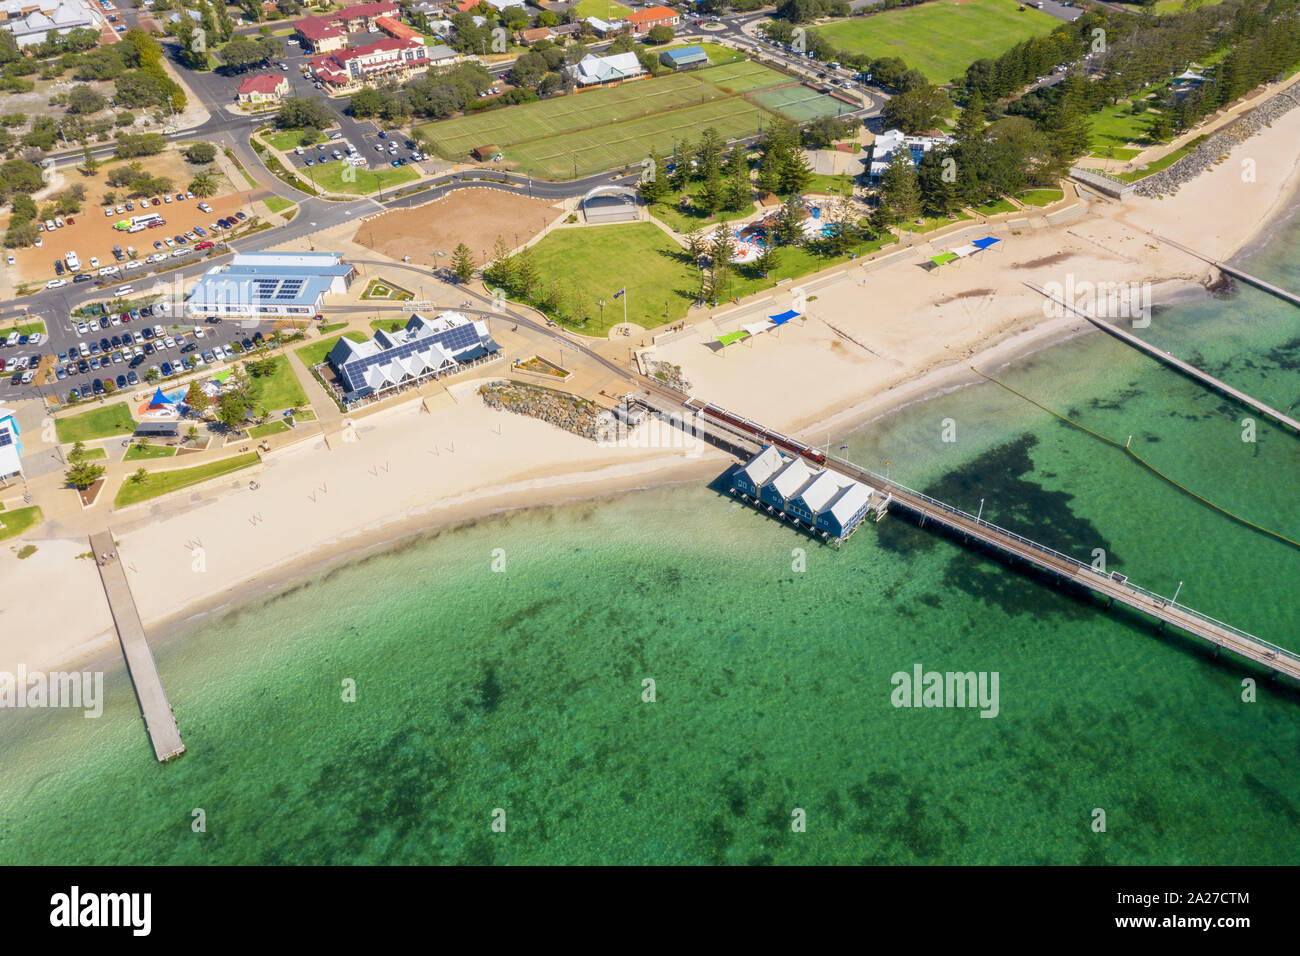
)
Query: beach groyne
[{"x": 569, "y": 412}]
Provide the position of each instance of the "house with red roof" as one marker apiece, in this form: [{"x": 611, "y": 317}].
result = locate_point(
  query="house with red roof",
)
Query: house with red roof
[
  {"x": 319, "y": 35},
  {"x": 396, "y": 29},
  {"x": 643, "y": 21},
  {"x": 263, "y": 88},
  {"x": 362, "y": 16}
]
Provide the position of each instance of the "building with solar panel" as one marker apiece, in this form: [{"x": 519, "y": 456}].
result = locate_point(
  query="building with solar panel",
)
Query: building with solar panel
[
  {"x": 424, "y": 348},
  {"x": 269, "y": 285},
  {"x": 11, "y": 448}
]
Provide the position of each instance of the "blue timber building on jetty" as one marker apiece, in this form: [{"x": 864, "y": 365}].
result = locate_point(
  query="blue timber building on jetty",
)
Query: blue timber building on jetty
[{"x": 821, "y": 501}]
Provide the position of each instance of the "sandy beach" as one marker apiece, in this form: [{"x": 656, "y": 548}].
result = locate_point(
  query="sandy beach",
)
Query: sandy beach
[{"x": 875, "y": 338}]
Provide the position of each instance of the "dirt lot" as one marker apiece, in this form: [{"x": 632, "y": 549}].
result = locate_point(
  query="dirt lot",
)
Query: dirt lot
[
  {"x": 472, "y": 216},
  {"x": 92, "y": 233}
]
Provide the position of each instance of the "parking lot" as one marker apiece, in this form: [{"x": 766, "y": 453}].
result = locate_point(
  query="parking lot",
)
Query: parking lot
[{"x": 123, "y": 346}]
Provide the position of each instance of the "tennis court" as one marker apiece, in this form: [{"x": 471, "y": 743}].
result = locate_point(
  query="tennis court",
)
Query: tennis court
[
  {"x": 743, "y": 77},
  {"x": 800, "y": 103}
]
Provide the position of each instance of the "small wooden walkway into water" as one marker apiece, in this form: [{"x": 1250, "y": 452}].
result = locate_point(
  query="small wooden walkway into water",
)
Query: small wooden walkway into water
[
  {"x": 1006, "y": 544},
  {"x": 1191, "y": 371},
  {"x": 158, "y": 717}
]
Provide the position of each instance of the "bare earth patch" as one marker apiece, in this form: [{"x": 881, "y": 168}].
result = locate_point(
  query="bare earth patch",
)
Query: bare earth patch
[{"x": 472, "y": 216}]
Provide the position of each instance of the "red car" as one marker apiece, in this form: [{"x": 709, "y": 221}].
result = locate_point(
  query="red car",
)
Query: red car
[{"x": 202, "y": 245}]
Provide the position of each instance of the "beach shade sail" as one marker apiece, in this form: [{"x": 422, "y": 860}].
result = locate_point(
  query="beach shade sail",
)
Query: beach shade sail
[
  {"x": 784, "y": 317},
  {"x": 730, "y": 337},
  {"x": 756, "y": 327},
  {"x": 985, "y": 242},
  {"x": 964, "y": 251},
  {"x": 159, "y": 400},
  {"x": 943, "y": 258}
]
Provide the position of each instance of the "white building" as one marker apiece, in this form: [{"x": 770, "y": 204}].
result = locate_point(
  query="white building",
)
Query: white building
[
  {"x": 11, "y": 446},
  {"x": 32, "y": 21},
  {"x": 268, "y": 284},
  {"x": 891, "y": 140},
  {"x": 592, "y": 69}
]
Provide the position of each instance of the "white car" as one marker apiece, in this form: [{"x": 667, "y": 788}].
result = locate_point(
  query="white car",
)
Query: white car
[
  {"x": 183, "y": 251},
  {"x": 169, "y": 342},
  {"x": 34, "y": 338},
  {"x": 159, "y": 331},
  {"x": 133, "y": 264},
  {"x": 157, "y": 257},
  {"x": 169, "y": 241},
  {"x": 139, "y": 338},
  {"x": 83, "y": 348},
  {"x": 119, "y": 209},
  {"x": 109, "y": 271},
  {"x": 108, "y": 210},
  {"x": 168, "y": 199},
  {"x": 56, "y": 283},
  {"x": 94, "y": 262},
  {"x": 82, "y": 328},
  {"x": 188, "y": 194},
  {"x": 122, "y": 289},
  {"x": 11, "y": 260},
  {"x": 116, "y": 319}
]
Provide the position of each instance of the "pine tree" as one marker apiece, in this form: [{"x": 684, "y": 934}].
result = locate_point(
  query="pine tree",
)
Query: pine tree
[
  {"x": 900, "y": 195},
  {"x": 789, "y": 223},
  {"x": 654, "y": 183},
  {"x": 739, "y": 191},
  {"x": 796, "y": 174},
  {"x": 526, "y": 274},
  {"x": 501, "y": 271},
  {"x": 462, "y": 262},
  {"x": 970, "y": 124}
]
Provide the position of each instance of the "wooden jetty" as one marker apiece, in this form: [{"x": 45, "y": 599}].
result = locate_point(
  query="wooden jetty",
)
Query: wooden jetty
[
  {"x": 1191, "y": 371},
  {"x": 1114, "y": 587},
  {"x": 158, "y": 717}
]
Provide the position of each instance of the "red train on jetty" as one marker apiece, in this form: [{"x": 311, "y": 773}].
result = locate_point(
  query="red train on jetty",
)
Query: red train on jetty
[{"x": 760, "y": 432}]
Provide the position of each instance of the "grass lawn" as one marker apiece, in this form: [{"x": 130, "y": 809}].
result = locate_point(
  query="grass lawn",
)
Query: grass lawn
[
  {"x": 280, "y": 389},
  {"x": 315, "y": 353},
  {"x": 27, "y": 328},
  {"x": 600, "y": 129},
  {"x": 92, "y": 453},
  {"x": 601, "y": 9},
  {"x": 339, "y": 177},
  {"x": 1041, "y": 197},
  {"x": 332, "y": 327},
  {"x": 841, "y": 185},
  {"x": 661, "y": 281},
  {"x": 161, "y": 482},
  {"x": 98, "y": 423},
  {"x": 943, "y": 37},
  {"x": 930, "y": 223},
  {"x": 14, "y": 523},
  {"x": 286, "y": 140},
  {"x": 1114, "y": 127},
  {"x": 1163, "y": 163},
  {"x": 136, "y": 453},
  {"x": 996, "y": 206},
  {"x": 278, "y": 203},
  {"x": 674, "y": 216},
  {"x": 270, "y": 428}
]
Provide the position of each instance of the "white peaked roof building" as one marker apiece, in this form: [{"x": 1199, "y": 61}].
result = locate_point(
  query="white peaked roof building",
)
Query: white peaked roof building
[
  {"x": 761, "y": 468},
  {"x": 32, "y": 21},
  {"x": 592, "y": 69},
  {"x": 819, "y": 492},
  {"x": 791, "y": 479},
  {"x": 851, "y": 502},
  {"x": 421, "y": 348}
]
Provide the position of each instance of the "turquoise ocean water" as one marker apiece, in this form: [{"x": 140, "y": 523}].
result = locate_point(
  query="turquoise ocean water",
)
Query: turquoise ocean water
[{"x": 522, "y": 690}]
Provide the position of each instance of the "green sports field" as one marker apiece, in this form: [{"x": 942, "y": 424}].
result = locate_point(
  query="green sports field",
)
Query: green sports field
[
  {"x": 585, "y": 133},
  {"x": 943, "y": 37}
]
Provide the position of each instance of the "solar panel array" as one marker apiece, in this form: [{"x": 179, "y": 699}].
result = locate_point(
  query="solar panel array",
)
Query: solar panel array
[
  {"x": 454, "y": 340},
  {"x": 6, "y": 438},
  {"x": 277, "y": 289}
]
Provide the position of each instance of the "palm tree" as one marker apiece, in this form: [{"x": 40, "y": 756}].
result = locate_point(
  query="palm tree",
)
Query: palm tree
[{"x": 204, "y": 184}]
